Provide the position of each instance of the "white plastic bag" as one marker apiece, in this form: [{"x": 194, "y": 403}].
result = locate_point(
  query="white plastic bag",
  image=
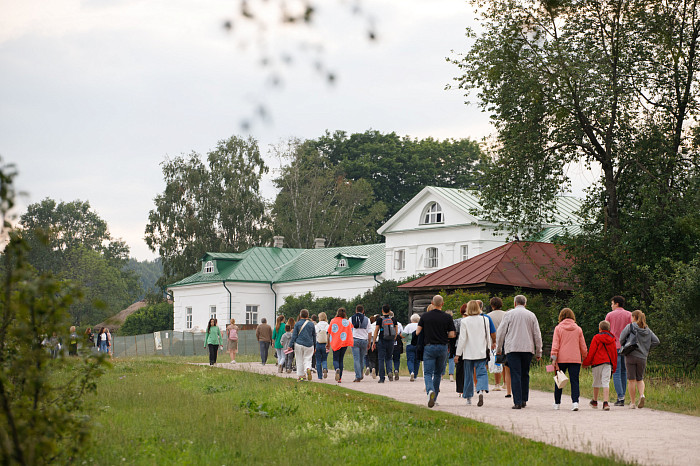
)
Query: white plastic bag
[{"x": 494, "y": 367}]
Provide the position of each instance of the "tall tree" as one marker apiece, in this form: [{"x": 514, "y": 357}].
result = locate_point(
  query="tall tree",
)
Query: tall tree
[
  {"x": 212, "y": 206},
  {"x": 612, "y": 84},
  {"x": 314, "y": 202}
]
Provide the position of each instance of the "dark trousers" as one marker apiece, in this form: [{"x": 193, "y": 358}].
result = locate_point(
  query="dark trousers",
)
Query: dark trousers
[
  {"x": 385, "y": 350},
  {"x": 519, "y": 364},
  {"x": 338, "y": 357},
  {"x": 459, "y": 376},
  {"x": 373, "y": 359},
  {"x": 396, "y": 356},
  {"x": 264, "y": 348},
  {"x": 574, "y": 371},
  {"x": 213, "y": 352}
]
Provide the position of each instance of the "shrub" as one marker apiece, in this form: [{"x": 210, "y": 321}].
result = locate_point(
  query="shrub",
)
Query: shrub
[{"x": 149, "y": 319}]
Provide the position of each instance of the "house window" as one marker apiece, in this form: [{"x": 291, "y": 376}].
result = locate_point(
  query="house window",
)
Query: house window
[
  {"x": 433, "y": 214},
  {"x": 209, "y": 267},
  {"x": 464, "y": 252},
  {"x": 400, "y": 259},
  {"x": 188, "y": 317},
  {"x": 431, "y": 258},
  {"x": 342, "y": 263},
  {"x": 212, "y": 312},
  {"x": 251, "y": 314}
]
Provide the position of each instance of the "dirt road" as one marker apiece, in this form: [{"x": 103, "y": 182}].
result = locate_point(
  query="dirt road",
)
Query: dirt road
[{"x": 644, "y": 435}]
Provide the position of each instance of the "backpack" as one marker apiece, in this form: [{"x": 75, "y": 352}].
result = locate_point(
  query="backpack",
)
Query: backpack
[
  {"x": 357, "y": 319},
  {"x": 322, "y": 336},
  {"x": 233, "y": 333},
  {"x": 388, "y": 328}
]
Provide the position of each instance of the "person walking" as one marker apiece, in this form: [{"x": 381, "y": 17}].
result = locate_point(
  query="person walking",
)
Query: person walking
[
  {"x": 89, "y": 338},
  {"x": 474, "y": 346},
  {"x": 360, "y": 338},
  {"x": 459, "y": 365},
  {"x": 372, "y": 353},
  {"x": 502, "y": 379},
  {"x": 340, "y": 338},
  {"x": 383, "y": 339},
  {"x": 303, "y": 342},
  {"x": 619, "y": 318},
  {"x": 568, "y": 350},
  {"x": 436, "y": 327},
  {"x": 213, "y": 340},
  {"x": 409, "y": 332},
  {"x": 277, "y": 333},
  {"x": 264, "y": 335},
  {"x": 73, "y": 342},
  {"x": 398, "y": 348},
  {"x": 321, "y": 341},
  {"x": 636, "y": 360},
  {"x": 602, "y": 356},
  {"x": 519, "y": 336},
  {"x": 232, "y": 340},
  {"x": 102, "y": 341}
]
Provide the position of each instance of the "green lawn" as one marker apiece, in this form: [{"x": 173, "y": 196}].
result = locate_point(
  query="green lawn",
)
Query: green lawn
[{"x": 164, "y": 411}]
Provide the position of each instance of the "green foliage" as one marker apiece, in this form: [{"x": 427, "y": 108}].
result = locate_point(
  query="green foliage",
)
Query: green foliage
[
  {"x": 148, "y": 274},
  {"x": 293, "y": 304},
  {"x": 675, "y": 316},
  {"x": 41, "y": 399},
  {"x": 149, "y": 319},
  {"x": 212, "y": 205}
]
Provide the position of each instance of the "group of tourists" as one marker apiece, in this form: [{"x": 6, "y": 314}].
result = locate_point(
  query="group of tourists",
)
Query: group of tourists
[{"x": 502, "y": 342}]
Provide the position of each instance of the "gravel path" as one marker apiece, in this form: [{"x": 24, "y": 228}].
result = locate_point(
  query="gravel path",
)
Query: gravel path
[{"x": 644, "y": 435}]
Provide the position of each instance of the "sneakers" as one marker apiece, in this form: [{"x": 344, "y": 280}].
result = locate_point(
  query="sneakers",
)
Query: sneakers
[
  {"x": 481, "y": 400},
  {"x": 396, "y": 375},
  {"x": 289, "y": 371},
  {"x": 452, "y": 378},
  {"x": 620, "y": 402},
  {"x": 594, "y": 404},
  {"x": 606, "y": 406},
  {"x": 556, "y": 407},
  {"x": 431, "y": 399},
  {"x": 497, "y": 388},
  {"x": 367, "y": 371},
  {"x": 633, "y": 406},
  {"x": 413, "y": 377},
  {"x": 356, "y": 380},
  {"x": 641, "y": 402},
  {"x": 233, "y": 361},
  {"x": 574, "y": 406},
  {"x": 469, "y": 401},
  {"x": 308, "y": 374},
  {"x": 337, "y": 375},
  {"x": 374, "y": 373},
  {"x": 381, "y": 381},
  {"x": 280, "y": 369},
  {"x": 325, "y": 373},
  {"x": 391, "y": 377}
]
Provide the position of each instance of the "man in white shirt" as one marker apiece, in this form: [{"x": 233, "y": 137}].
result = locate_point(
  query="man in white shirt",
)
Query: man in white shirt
[{"x": 360, "y": 336}]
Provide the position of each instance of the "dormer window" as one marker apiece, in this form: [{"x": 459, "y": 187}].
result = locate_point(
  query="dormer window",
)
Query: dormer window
[
  {"x": 209, "y": 267},
  {"x": 342, "y": 263},
  {"x": 433, "y": 214}
]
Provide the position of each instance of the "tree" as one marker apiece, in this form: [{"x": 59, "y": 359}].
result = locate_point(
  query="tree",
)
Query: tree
[
  {"x": 612, "y": 84},
  {"x": 314, "y": 202},
  {"x": 41, "y": 399},
  {"x": 149, "y": 319},
  {"x": 148, "y": 273},
  {"x": 208, "y": 207}
]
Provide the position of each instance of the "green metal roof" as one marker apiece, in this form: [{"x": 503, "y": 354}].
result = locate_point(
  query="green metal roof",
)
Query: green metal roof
[
  {"x": 287, "y": 264},
  {"x": 461, "y": 198},
  {"x": 549, "y": 234}
]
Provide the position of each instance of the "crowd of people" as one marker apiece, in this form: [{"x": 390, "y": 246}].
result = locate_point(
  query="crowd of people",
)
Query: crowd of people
[{"x": 469, "y": 347}]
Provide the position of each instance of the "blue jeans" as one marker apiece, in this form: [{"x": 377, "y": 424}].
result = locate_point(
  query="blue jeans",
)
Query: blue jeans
[
  {"x": 359, "y": 352},
  {"x": 451, "y": 366},
  {"x": 338, "y": 357},
  {"x": 321, "y": 359},
  {"x": 411, "y": 362},
  {"x": 482, "y": 377},
  {"x": 264, "y": 348},
  {"x": 574, "y": 371},
  {"x": 620, "y": 377},
  {"x": 519, "y": 364},
  {"x": 385, "y": 350},
  {"x": 434, "y": 360},
  {"x": 280, "y": 356}
]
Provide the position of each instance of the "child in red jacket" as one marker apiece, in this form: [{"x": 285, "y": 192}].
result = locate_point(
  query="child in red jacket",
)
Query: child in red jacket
[{"x": 603, "y": 357}]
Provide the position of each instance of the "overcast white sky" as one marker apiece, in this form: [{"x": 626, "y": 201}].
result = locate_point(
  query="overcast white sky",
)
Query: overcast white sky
[{"x": 94, "y": 94}]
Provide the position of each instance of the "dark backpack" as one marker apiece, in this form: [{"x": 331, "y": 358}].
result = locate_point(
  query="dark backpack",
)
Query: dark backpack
[
  {"x": 388, "y": 328},
  {"x": 357, "y": 319}
]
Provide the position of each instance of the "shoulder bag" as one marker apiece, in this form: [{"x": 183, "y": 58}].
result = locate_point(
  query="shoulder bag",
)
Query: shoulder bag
[{"x": 631, "y": 343}]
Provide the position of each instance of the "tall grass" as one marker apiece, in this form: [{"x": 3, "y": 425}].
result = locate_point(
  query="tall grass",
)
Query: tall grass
[{"x": 163, "y": 411}]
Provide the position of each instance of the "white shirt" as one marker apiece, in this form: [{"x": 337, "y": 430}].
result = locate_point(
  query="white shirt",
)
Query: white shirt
[{"x": 410, "y": 328}]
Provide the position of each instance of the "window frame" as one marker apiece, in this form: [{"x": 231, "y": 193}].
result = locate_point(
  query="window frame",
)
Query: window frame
[
  {"x": 431, "y": 261},
  {"x": 342, "y": 263},
  {"x": 400, "y": 259},
  {"x": 209, "y": 267},
  {"x": 433, "y": 214},
  {"x": 212, "y": 315},
  {"x": 188, "y": 317},
  {"x": 249, "y": 314},
  {"x": 464, "y": 252}
]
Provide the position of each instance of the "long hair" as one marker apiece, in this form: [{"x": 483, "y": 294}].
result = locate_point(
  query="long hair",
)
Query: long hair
[
  {"x": 341, "y": 313},
  {"x": 291, "y": 322},
  {"x": 473, "y": 308},
  {"x": 209, "y": 325},
  {"x": 280, "y": 320},
  {"x": 640, "y": 318}
]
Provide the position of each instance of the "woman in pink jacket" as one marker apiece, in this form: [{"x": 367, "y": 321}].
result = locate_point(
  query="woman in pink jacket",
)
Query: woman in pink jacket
[{"x": 568, "y": 350}]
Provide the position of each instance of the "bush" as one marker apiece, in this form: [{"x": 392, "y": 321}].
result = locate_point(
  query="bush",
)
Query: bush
[{"x": 149, "y": 319}]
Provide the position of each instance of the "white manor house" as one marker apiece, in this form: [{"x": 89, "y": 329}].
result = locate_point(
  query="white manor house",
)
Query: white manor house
[{"x": 434, "y": 230}]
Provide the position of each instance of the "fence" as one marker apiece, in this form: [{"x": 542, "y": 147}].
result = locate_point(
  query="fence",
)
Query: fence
[{"x": 172, "y": 343}]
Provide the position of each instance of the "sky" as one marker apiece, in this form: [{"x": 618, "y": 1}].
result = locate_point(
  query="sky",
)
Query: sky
[{"x": 95, "y": 94}]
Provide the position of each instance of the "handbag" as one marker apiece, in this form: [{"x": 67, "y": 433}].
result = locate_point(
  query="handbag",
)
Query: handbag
[
  {"x": 631, "y": 342},
  {"x": 500, "y": 358},
  {"x": 488, "y": 349},
  {"x": 560, "y": 379}
]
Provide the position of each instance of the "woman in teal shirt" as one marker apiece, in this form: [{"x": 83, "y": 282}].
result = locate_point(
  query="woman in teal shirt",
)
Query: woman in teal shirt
[
  {"x": 213, "y": 340},
  {"x": 277, "y": 333}
]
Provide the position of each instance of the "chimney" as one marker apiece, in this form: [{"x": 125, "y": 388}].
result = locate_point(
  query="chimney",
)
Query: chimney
[
  {"x": 278, "y": 241},
  {"x": 319, "y": 243}
]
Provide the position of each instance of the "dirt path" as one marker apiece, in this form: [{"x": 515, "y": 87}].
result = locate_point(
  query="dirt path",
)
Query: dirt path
[{"x": 644, "y": 435}]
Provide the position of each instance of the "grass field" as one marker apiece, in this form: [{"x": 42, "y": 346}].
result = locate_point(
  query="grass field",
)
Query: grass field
[{"x": 164, "y": 411}]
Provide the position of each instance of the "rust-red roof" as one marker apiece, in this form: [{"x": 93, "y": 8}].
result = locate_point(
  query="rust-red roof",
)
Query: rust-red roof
[{"x": 517, "y": 264}]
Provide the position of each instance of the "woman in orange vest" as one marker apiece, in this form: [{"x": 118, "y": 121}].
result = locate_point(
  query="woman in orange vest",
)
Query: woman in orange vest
[{"x": 340, "y": 336}]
